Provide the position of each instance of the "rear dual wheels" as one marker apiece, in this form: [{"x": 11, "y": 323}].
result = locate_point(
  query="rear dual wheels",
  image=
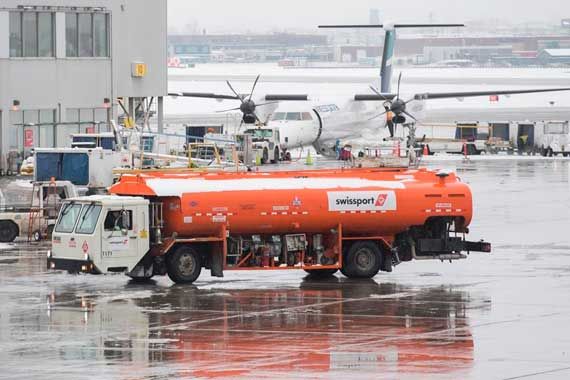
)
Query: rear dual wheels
[
  {"x": 184, "y": 265},
  {"x": 363, "y": 260}
]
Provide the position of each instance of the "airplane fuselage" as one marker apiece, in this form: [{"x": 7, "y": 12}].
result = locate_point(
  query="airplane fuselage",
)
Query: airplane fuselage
[{"x": 322, "y": 123}]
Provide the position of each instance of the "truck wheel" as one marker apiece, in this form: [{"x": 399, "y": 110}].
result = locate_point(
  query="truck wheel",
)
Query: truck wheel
[
  {"x": 265, "y": 157},
  {"x": 364, "y": 260},
  {"x": 8, "y": 231},
  {"x": 37, "y": 236},
  {"x": 275, "y": 156},
  {"x": 321, "y": 273},
  {"x": 184, "y": 265}
]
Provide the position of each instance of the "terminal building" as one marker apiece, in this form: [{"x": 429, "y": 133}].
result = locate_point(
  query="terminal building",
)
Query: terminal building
[{"x": 64, "y": 64}]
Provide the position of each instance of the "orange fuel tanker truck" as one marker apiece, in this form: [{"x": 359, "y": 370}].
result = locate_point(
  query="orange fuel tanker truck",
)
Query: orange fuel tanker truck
[{"x": 358, "y": 221}]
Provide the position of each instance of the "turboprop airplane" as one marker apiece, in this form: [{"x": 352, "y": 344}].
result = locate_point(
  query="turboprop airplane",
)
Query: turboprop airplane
[{"x": 303, "y": 120}]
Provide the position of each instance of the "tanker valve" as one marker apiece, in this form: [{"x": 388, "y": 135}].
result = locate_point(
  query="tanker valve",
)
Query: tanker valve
[{"x": 442, "y": 176}]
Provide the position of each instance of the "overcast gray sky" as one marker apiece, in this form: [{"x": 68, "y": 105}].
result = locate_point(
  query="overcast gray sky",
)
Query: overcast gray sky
[{"x": 267, "y": 15}]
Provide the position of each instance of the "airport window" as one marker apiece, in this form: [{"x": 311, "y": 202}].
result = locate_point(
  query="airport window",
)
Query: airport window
[
  {"x": 555, "y": 129},
  {"x": 87, "y": 34},
  {"x": 32, "y": 128},
  {"x": 32, "y": 34},
  {"x": 89, "y": 120},
  {"x": 293, "y": 116},
  {"x": 278, "y": 116}
]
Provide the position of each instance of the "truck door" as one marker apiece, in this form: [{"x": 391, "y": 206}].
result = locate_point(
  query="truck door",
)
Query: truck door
[{"x": 119, "y": 239}]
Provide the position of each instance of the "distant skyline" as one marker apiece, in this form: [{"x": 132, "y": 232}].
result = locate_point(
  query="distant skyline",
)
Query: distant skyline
[{"x": 224, "y": 16}]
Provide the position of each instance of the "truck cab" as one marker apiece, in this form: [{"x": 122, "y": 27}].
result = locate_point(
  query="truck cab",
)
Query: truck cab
[
  {"x": 265, "y": 144},
  {"x": 32, "y": 213},
  {"x": 100, "y": 234}
]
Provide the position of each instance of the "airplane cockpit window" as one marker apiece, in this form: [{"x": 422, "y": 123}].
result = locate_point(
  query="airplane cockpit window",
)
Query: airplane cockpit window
[
  {"x": 306, "y": 116},
  {"x": 278, "y": 116},
  {"x": 293, "y": 116}
]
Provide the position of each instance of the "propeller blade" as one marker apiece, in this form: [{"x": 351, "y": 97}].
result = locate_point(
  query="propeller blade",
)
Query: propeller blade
[
  {"x": 253, "y": 87},
  {"x": 234, "y": 91},
  {"x": 228, "y": 110},
  {"x": 450, "y": 95},
  {"x": 390, "y": 126},
  {"x": 377, "y": 116},
  {"x": 399, "y": 80},
  {"x": 379, "y": 94},
  {"x": 410, "y": 115}
]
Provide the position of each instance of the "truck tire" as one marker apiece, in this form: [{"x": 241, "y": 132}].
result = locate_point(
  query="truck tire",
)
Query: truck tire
[
  {"x": 321, "y": 273},
  {"x": 9, "y": 231},
  {"x": 275, "y": 156},
  {"x": 184, "y": 265},
  {"x": 364, "y": 260},
  {"x": 265, "y": 156}
]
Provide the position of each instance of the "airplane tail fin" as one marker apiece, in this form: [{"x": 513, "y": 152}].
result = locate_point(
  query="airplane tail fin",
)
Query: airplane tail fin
[
  {"x": 389, "y": 44},
  {"x": 386, "y": 65}
]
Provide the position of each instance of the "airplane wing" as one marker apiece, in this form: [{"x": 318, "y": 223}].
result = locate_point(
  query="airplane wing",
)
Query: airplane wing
[
  {"x": 450, "y": 95},
  {"x": 207, "y": 95},
  {"x": 268, "y": 97},
  {"x": 373, "y": 97}
]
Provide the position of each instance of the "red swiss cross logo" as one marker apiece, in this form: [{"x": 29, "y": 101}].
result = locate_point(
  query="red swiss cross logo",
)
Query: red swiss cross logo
[
  {"x": 85, "y": 247},
  {"x": 381, "y": 200}
]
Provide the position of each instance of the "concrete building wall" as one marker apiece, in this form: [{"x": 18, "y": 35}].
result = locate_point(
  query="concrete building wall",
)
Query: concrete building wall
[{"x": 61, "y": 85}]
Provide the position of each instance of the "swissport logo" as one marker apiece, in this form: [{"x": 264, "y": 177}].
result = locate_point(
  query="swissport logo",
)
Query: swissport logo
[{"x": 362, "y": 200}]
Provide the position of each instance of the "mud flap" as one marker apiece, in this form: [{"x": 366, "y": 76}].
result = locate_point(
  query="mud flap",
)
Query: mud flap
[{"x": 217, "y": 267}]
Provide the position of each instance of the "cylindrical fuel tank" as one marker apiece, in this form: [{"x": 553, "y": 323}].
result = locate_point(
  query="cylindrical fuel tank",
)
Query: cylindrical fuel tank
[{"x": 364, "y": 201}]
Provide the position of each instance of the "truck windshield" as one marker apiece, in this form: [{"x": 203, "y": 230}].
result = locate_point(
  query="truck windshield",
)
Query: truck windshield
[
  {"x": 88, "y": 219},
  {"x": 260, "y": 134},
  {"x": 67, "y": 217}
]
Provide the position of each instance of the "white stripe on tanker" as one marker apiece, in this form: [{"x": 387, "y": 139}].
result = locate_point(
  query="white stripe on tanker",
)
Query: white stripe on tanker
[{"x": 165, "y": 187}]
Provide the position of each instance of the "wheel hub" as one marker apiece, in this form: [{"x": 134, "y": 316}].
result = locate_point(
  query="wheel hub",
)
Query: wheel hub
[
  {"x": 187, "y": 264},
  {"x": 364, "y": 258}
]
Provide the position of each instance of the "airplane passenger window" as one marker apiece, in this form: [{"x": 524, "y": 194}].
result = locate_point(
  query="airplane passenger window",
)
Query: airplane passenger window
[
  {"x": 293, "y": 116},
  {"x": 306, "y": 116},
  {"x": 278, "y": 116}
]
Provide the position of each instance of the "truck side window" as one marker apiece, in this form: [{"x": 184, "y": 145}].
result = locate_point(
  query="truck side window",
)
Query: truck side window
[{"x": 115, "y": 220}]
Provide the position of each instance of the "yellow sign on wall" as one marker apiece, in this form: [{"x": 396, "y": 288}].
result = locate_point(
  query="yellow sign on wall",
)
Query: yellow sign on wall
[{"x": 138, "y": 69}]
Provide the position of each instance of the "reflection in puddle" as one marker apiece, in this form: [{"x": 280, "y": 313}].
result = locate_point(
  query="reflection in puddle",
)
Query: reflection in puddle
[{"x": 319, "y": 328}]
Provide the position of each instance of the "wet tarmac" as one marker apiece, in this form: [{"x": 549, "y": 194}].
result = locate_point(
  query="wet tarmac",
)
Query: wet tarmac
[{"x": 498, "y": 316}]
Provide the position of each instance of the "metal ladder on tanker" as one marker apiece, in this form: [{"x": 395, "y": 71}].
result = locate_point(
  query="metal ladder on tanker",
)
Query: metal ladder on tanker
[{"x": 37, "y": 215}]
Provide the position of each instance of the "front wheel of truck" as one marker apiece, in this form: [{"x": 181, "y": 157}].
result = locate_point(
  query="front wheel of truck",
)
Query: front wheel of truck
[{"x": 184, "y": 265}]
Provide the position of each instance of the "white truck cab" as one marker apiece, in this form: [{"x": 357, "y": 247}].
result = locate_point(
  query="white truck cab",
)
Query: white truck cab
[
  {"x": 101, "y": 234},
  {"x": 265, "y": 144}
]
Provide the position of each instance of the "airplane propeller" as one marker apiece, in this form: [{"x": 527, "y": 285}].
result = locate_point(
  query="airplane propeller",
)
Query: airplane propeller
[
  {"x": 247, "y": 106},
  {"x": 395, "y": 108}
]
